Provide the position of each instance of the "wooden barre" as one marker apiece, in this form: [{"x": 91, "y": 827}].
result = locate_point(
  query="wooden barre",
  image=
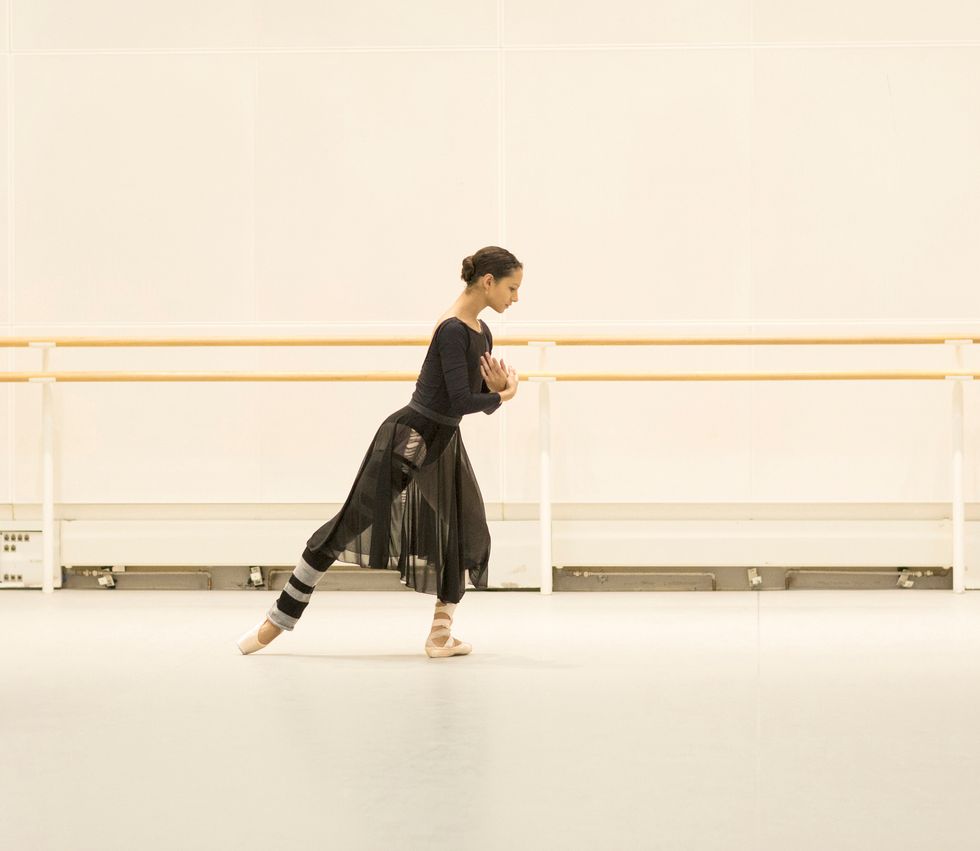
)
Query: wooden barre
[
  {"x": 71, "y": 377},
  {"x": 82, "y": 342}
]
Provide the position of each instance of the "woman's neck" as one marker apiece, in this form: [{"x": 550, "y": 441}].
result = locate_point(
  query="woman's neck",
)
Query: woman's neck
[{"x": 467, "y": 308}]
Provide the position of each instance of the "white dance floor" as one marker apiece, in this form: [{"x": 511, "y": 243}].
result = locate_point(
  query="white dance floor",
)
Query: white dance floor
[{"x": 774, "y": 720}]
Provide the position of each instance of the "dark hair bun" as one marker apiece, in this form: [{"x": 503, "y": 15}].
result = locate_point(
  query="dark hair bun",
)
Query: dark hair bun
[
  {"x": 468, "y": 269},
  {"x": 489, "y": 260}
]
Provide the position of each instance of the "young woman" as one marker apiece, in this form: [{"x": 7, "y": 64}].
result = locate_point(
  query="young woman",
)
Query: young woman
[{"x": 415, "y": 503}]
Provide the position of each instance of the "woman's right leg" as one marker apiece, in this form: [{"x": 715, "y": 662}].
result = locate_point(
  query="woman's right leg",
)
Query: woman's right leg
[
  {"x": 296, "y": 593},
  {"x": 357, "y": 516},
  {"x": 293, "y": 599}
]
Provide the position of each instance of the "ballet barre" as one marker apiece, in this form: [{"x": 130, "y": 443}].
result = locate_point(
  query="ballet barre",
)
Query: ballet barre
[
  {"x": 149, "y": 342},
  {"x": 107, "y": 376},
  {"x": 542, "y": 377}
]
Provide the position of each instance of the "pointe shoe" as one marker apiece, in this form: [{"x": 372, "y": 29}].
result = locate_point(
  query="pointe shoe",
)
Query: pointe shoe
[
  {"x": 460, "y": 648},
  {"x": 249, "y": 641}
]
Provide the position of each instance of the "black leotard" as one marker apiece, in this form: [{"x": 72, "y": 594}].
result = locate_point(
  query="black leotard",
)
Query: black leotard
[{"x": 450, "y": 382}]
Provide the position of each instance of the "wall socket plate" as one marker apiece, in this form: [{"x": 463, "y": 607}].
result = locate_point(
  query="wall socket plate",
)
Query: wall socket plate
[{"x": 22, "y": 554}]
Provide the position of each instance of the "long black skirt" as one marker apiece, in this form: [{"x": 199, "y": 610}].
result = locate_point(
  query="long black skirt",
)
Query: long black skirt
[{"x": 415, "y": 505}]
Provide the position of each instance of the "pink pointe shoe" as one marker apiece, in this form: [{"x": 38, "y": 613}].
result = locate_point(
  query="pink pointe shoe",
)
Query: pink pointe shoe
[
  {"x": 249, "y": 642},
  {"x": 460, "y": 648}
]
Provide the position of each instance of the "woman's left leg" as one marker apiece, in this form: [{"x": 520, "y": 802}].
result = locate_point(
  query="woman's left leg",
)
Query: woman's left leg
[{"x": 440, "y": 641}]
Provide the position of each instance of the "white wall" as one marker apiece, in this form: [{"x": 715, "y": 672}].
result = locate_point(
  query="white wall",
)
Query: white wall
[
  {"x": 8, "y": 394},
  {"x": 225, "y": 167}
]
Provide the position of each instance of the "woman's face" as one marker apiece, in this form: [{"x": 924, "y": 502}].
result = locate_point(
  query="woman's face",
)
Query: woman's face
[{"x": 503, "y": 291}]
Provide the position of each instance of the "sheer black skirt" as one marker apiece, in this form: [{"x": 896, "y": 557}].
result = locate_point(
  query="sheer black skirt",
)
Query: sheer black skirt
[{"x": 415, "y": 505}]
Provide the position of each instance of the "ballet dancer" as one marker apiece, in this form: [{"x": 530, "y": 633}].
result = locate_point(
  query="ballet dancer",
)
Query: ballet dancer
[{"x": 415, "y": 504}]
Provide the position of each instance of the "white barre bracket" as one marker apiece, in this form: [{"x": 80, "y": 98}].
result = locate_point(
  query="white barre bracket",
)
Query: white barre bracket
[
  {"x": 42, "y": 345},
  {"x": 544, "y": 460}
]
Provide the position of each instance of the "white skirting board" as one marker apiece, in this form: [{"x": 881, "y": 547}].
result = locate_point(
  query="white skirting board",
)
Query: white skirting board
[
  {"x": 514, "y": 555},
  {"x": 514, "y": 560}
]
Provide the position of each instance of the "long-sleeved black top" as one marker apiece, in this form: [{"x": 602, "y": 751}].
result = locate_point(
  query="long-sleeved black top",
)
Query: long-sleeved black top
[{"x": 450, "y": 382}]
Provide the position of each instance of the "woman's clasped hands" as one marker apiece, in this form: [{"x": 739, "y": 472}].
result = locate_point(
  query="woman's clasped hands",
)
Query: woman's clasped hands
[{"x": 499, "y": 377}]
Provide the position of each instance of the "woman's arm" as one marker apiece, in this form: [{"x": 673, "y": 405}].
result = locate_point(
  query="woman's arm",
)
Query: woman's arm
[{"x": 452, "y": 344}]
